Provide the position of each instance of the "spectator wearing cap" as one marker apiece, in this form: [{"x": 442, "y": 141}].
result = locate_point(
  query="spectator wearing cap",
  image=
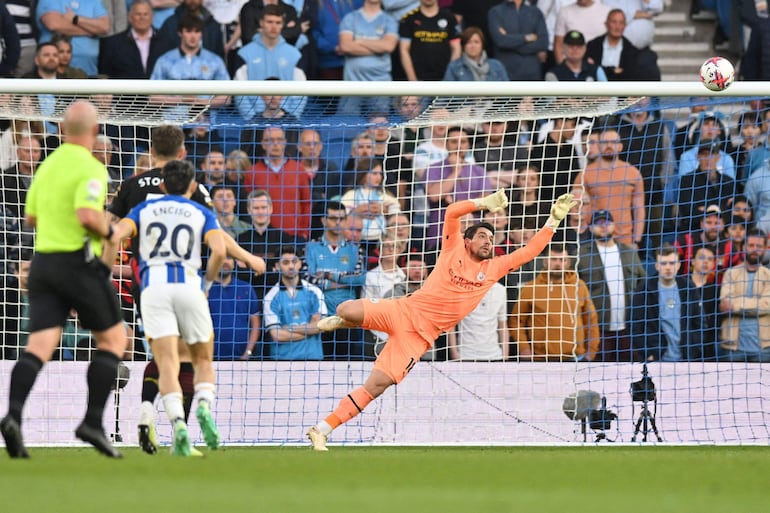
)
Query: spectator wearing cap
[
  {"x": 575, "y": 67},
  {"x": 612, "y": 271},
  {"x": 711, "y": 133},
  {"x": 585, "y": 16},
  {"x": 690, "y": 135},
  {"x": 706, "y": 186},
  {"x": 708, "y": 233},
  {"x": 617, "y": 186},
  {"x": 519, "y": 34}
]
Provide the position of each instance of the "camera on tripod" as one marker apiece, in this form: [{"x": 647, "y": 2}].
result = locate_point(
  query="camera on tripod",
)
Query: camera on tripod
[
  {"x": 590, "y": 408},
  {"x": 643, "y": 391},
  {"x": 601, "y": 419}
]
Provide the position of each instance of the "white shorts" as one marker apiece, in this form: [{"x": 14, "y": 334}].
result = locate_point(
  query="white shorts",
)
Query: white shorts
[{"x": 176, "y": 309}]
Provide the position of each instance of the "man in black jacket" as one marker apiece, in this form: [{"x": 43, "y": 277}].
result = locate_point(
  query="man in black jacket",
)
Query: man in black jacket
[
  {"x": 623, "y": 61},
  {"x": 120, "y": 55},
  {"x": 659, "y": 316}
]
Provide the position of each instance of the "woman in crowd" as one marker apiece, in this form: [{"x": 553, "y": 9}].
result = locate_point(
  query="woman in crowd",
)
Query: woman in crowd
[
  {"x": 369, "y": 200},
  {"x": 474, "y": 63}
]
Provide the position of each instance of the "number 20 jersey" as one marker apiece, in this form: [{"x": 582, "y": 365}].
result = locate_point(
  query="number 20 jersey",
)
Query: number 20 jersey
[{"x": 171, "y": 231}]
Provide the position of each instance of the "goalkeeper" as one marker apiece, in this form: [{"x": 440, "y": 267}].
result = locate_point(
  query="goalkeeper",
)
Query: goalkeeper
[{"x": 465, "y": 270}]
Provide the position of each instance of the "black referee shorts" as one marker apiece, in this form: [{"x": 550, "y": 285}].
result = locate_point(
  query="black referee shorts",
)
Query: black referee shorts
[{"x": 60, "y": 282}]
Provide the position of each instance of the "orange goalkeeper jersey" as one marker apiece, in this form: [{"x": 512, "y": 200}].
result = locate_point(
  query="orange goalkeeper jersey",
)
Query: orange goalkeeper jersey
[{"x": 458, "y": 283}]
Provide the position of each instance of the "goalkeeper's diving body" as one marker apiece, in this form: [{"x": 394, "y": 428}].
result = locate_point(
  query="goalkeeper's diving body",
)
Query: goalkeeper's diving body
[{"x": 466, "y": 269}]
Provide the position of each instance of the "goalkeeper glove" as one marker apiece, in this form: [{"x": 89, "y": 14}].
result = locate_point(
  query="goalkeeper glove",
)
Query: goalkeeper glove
[
  {"x": 495, "y": 202},
  {"x": 560, "y": 209}
]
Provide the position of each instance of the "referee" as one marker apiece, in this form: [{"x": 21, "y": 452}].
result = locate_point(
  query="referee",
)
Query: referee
[{"x": 65, "y": 205}]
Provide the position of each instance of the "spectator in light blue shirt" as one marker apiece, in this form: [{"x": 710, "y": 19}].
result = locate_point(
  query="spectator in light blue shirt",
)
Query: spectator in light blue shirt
[
  {"x": 338, "y": 267},
  {"x": 189, "y": 62},
  {"x": 710, "y": 130},
  {"x": 293, "y": 308},
  {"x": 268, "y": 55},
  {"x": 83, "y": 20},
  {"x": 367, "y": 38},
  {"x": 758, "y": 193}
]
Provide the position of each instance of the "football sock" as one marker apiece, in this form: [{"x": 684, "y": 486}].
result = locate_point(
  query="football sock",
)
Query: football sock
[
  {"x": 325, "y": 428},
  {"x": 150, "y": 382},
  {"x": 101, "y": 377},
  {"x": 150, "y": 387},
  {"x": 350, "y": 406},
  {"x": 204, "y": 392},
  {"x": 23, "y": 377},
  {"x": 186, "y": 378},
  {"x": 172, "y": 402},
  {"x": 146, "y": 413}
]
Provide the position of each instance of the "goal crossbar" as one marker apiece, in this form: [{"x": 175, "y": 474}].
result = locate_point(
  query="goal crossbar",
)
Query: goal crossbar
[{"x": 348, "y": 88}]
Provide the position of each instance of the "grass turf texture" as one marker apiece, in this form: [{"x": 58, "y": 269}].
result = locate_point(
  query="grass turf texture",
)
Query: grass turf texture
[{"x": 392, "y": 480}]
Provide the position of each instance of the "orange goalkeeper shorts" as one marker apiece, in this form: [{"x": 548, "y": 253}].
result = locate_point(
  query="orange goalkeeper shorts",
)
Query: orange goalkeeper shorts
[{"x": 404, "y": 346}]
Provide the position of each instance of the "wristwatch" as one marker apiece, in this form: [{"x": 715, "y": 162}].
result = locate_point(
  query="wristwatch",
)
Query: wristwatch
[
  {"x": 248, "y": 352},
  {"x": 75, "y": 19}
]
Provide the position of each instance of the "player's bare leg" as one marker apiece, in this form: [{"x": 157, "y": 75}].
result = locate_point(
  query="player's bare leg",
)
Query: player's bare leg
[
  {"x": 205, "y": 378},
  {"x": 148, "y": 440},
  {"x": 350, "y": 314},
  {"x": 167, "y": 359},
  {"x": 350, "y": 406}
]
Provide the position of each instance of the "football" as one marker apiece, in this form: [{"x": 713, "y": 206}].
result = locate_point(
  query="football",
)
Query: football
[{"x": 717, "y": 73}]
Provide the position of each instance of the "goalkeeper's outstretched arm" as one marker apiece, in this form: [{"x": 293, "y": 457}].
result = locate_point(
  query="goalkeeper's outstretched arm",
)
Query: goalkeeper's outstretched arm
[
  {"x": 498, "y": 201},
  {"x": 560, "y": 209}
]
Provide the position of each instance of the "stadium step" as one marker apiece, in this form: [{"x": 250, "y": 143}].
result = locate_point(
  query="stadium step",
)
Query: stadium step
[{"x": 681, "y": 44}]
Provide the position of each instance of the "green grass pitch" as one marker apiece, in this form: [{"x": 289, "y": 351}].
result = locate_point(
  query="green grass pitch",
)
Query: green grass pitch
[{"x": 393, "y": 480}]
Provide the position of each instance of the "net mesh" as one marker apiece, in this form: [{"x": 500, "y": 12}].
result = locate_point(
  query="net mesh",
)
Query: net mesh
[{"x": 661, "y": 167}]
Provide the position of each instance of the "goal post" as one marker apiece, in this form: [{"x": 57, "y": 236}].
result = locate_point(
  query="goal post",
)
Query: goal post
[{"x": 576, "y": 328}]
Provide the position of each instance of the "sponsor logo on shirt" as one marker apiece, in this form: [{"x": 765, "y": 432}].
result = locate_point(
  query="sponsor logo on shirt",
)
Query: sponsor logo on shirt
[
  {"x": 463, "y": 283},
  {"x": 94, "y": 189}
]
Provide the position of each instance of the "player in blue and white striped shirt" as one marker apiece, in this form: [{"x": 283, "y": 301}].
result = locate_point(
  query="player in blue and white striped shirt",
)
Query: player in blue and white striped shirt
[{"x": 171, "y": 231}]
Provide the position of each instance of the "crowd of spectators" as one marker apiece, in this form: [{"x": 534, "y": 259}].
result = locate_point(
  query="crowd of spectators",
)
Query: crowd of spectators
[
  {"x": 358, "y": 40},
  {"x": 353, "y": 209},
  {"x": 348, "y": 228}
]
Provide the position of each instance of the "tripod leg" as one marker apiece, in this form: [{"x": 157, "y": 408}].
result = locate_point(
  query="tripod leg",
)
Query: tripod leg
[
  {"x": 636, "y": 429},
  {"x": 116, "y": 436},
  {"x": 655, "y": 429}
]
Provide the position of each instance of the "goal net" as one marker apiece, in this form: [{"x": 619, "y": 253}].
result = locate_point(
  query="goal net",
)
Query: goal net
[{"x": 645, "y": 319}]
